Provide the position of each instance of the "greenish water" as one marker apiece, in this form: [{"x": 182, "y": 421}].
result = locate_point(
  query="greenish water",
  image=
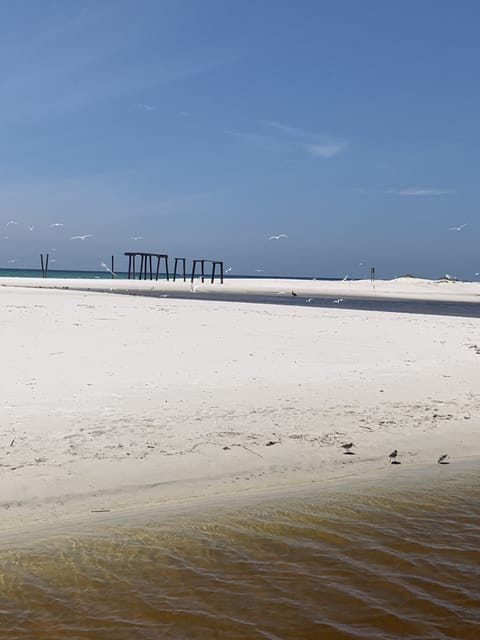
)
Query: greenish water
[
  {"x": 57, "y": 273},
  {"x": 104, "y": 274}
]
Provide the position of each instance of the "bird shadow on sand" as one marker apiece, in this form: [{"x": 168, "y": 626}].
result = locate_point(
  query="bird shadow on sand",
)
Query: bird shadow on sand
[
  {"x": 349, "y": 453},
  {"x": 444, "y": 462},
  {"x": 395, "y": 462}
]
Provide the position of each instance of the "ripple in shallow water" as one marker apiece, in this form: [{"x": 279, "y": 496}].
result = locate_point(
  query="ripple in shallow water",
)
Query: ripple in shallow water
[{"x": 402, "y": 565}]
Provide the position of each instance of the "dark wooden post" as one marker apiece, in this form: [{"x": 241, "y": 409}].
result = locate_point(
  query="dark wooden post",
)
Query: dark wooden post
[
  {"x": 113, "y": 267},
  {"x": 183, "y": 261},
  {"x": 372, "y": 274},
  {"x": 214, "y": 268},
  {"x": 194, "y": 266},
  {"x": 44, "y": 265}
]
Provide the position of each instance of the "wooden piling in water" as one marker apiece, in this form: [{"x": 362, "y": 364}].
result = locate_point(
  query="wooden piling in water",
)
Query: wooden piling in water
[{"x": 44, "y": 265}]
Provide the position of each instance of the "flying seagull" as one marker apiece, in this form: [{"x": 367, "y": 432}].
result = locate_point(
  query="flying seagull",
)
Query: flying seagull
[
  {"x": 31, "y": 228},
  {"x": 57, "y": 224},
  {"x": 87, "y": 235},
  {"x": 282, "y": 235},
  {"x": 227, "y": 270},
  {"x": 102, "y": 264},
  {"x": 137, "y": 238},
  {"x": 11, "y": 222},
  {"x": 457, "y": 228}
]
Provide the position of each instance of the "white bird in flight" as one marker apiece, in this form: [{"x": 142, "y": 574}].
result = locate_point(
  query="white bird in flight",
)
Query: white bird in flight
[
  {"x": 11, "y": 222},
  {"x": 227, "y": 270},
  {"x": 87, "y": 235},
  {"x": 31, "y": 228},
  {"x": 102, "y": 264},
  {"x": 10, "y": 261},
  {"x": 137, "y": 238},
  {"x": 282, "y": 235},
  {"x": 457, "y": 228},
  {"x": 56, "y": 224}
]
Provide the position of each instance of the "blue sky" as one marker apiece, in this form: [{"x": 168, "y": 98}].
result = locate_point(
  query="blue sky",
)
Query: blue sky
[{"x": 206, "y": 127}]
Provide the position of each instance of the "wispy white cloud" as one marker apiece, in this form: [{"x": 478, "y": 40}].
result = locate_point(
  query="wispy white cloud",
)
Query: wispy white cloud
[
  {"x": 68, "y": 59},
  {"x": 413, "y": 191},
  {"x": 287, "y": 138},
  {"x": 291, "y": 131},
  {"x": 326, "y": 149},
  {"x": 258, "y": 140},
  {"x": 144, "y": 107}
]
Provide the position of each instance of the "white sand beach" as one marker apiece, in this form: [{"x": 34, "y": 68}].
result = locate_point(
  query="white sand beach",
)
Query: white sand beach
[{"x": 113, "y": 401}]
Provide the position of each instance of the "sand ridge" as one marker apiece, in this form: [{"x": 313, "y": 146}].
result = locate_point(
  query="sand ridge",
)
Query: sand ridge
[{"x": 114, "y": 401}]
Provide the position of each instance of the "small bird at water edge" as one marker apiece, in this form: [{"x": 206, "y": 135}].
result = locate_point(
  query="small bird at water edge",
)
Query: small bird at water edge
[{"x": 393, "y": 454}]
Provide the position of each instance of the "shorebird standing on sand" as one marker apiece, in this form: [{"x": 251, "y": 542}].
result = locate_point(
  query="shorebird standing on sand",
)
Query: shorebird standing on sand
[
  {"x": 393, "y": 455},
  {"x": 347, "y": 446},
  {"x": 442, "y": 459}
]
